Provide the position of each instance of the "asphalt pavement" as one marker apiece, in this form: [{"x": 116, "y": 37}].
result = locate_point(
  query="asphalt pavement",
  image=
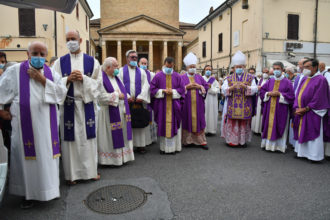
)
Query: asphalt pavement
[{"x": 221, "y": 183}]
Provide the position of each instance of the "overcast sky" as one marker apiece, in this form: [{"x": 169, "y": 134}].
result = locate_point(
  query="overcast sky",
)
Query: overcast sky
[{"x": 191, "y": 11}]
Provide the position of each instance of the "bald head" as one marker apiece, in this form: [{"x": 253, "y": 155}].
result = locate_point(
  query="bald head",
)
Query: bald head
[
  {"x": 72, "y": 35},
  {"x": 321, "y": 66},
  {"x": 301, "y": 65},
  {"x": 37, "y": 49},
  {"x": 143, "y": 61}
]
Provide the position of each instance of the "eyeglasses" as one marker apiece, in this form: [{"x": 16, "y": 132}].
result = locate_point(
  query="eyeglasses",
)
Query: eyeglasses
[{"x": 133, "y": 57}]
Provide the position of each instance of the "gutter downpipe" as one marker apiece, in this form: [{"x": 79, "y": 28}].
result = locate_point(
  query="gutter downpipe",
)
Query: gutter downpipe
[
  {"x": 211, "y": 59},
  {"x": 231, "y": 31},
  {"x": 315, "y": 27},
  {"x": 55, "y": 32}
]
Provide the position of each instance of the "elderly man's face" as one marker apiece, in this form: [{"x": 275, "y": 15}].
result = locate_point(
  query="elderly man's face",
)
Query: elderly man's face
[
  {"x": 72, "y": 36},
  {"x": 37, "y": 50},
  {"x": 113, "y": 67},
  {"x": 322, "y": 67},
  {"x": 132, "y": 57}
]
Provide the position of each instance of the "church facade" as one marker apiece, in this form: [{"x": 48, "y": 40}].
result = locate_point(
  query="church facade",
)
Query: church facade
[{"x": 151, "y": 27}]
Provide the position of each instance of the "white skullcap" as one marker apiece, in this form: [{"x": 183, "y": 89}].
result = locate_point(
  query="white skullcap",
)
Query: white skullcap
[
  {"x": 238, "y": 59},
  {"x": 190, "y": 59}
]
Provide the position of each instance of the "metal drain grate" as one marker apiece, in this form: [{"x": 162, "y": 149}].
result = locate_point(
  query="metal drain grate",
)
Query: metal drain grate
[{"x": 116, "y": 199}]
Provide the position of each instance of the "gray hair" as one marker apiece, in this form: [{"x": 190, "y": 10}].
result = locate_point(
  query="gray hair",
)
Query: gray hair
[
  {"x": 129, "y": 52},
  {"x": 108, "y": 63},
  {"x": 290, "y": 69},
  {"x": 33, "y": 42},
  {"x": 278, "y": 63}
]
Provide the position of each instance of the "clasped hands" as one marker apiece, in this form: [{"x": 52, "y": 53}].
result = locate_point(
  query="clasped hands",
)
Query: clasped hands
[
  {"x": 301, "y": 111},
  {"x": 37, "y": 75},
  {"x": 238, "y": 85},
  {"x": 193, "y": 86},
  {"x": 75, "y": 76},
  {"x": 274, "y": 94},
  {"x": 168, "y": 91}
]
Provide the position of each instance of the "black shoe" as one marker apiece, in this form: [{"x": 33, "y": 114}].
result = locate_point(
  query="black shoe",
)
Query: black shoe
[
  {"x": 161, "y": 152},
  {"x": 141, "y": 150},
  {"x": 205, "y": 147},
  {"x": 27, "y": 204}
]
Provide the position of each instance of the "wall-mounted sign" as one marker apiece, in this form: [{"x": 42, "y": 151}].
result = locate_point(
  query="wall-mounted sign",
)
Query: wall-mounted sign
[{"x": 236, "y": 39}]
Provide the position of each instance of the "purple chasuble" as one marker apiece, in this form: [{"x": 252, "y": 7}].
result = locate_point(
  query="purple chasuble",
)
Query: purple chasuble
[
  {"x": 114, "y": 115},
  {"x": 240, "y": 106},
  {"x": 126, "y": 80},
  {"x": 159, "y": 105},
  {"x": 315, "y": 95},
  {"x": 276, "y": 110},
  {"x": 188, "y": 112},
  {"x": 69, "y": 102},
  {"x": 25, "y": 114}
]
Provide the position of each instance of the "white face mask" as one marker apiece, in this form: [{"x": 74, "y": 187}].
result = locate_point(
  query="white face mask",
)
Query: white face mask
[
  {"x": 307, "y": 72},
  {"x": 192, "y": 70},
  {"x": 73, "y": 45},
  {"x": 265, "y": 76}
]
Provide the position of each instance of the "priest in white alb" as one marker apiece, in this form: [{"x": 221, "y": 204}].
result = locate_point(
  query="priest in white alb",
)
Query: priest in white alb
[
  {"x": 34, "y": 91},
  {"x": 79, "y": 73},
  {"x": 114, "y": 133},
  {"x": 136, "y": 84},
  {"x": 211, "y": 102}
]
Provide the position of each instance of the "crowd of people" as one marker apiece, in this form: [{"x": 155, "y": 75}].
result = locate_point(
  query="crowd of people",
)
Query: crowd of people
[{"x": 90, "y": 114}]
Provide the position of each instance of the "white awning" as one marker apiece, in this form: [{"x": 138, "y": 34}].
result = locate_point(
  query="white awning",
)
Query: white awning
[
  {"x": 65, "y": 6},
  {"x": 285, "y": 63}
]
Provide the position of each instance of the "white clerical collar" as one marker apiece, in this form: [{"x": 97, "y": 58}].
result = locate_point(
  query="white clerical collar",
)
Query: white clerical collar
[
  {"x": 282, "y": 77},
  {"x": 76, "y": 55}
]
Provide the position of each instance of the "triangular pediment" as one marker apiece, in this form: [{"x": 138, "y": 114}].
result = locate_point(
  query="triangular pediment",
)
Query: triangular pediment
[{"x": 141, "y": 24}]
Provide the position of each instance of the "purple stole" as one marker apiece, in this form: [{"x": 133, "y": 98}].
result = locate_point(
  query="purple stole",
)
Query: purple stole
[
  {"x": 114, "y": 114},
  {"x": 211, "y": 80},
  {"x": 25, "y": 114},
  {"x": 126, "y": 80},
  {"x": 148, "y": 106},
  {"x": 69, "y": 102},
  {"x": 240, "y": 106}
]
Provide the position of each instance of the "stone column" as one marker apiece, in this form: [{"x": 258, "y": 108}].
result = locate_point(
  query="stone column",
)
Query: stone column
[
  {"x": 104, "y": 50},
  {"x": 134, "y": 45},
  {"x": 179, "y": 61},
  {"x": 119, "y": 53},
  {"x": 164, "y": 51},
  {"x": 151, "y": 56}
]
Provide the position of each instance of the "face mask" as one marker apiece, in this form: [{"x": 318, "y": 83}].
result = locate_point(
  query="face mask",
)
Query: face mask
[
  {"x": 307, "y": 72},
  {"x": 239, "y": 71},
  {"x": 192, "y": 70},
  {"x": 133, "y": 63},
  {"x": 287, "y": 75},
  {"x": 38, "y": 62},
  {"x": 2, "y": 66},
  {"x": 271, "y": 77},
  {"x": 144, "y": 67},
  {"x": 265, "y": 76},
  {"x": 208, "y": 73},
  {"x": 116, "y": 72},
  {"x": 298, "y": 69},
  {"x": 277, "y": 73},
  {"x": 167, "y": 70},
  {"x": 73, "y": 45}
]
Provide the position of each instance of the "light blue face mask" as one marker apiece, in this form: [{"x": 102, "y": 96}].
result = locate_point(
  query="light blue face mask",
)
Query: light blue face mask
[
  {"x": 133, "y": 63},
  {"x": 239, "y": 71},
  {"x": 277, "y": 73},
  {"x": 271, "y": 77},
  {"x": 208, "y": 73},
  {"x": 168, "y": 70},
  {"x": 38, "y": 62},
  {"x": 2, "y": 65},
  {"x": 144, "y": 67},
  {"x": 287, "y": 75},
  {"x": 116, "y": 72}
]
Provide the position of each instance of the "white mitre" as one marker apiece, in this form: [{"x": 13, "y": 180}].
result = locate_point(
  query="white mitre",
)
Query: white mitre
[
  {"x": 190, "y": 59},
  {"x": 238, "y": 59}
]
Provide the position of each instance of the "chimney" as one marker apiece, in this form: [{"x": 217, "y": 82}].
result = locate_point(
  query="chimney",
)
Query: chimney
[{"x": 211, "y": 10}]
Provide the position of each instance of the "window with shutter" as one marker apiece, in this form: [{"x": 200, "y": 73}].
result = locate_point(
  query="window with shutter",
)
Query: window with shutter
[
  {"x": 293, "y": 27},
  {"x": 220, "y": 43},
  {"x": 77, "y": 10},
  {"x": 27, "y": 22},
  {"x": 87, "y": 47},
  {"x": 204, "y": 49}
]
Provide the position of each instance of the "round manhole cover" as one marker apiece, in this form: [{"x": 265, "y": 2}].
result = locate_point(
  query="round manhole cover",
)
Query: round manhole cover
[{"x": 116, "y": 199}]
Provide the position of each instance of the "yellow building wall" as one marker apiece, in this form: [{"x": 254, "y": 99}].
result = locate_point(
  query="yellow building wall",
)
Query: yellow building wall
[{"x": 10, "y": 39}]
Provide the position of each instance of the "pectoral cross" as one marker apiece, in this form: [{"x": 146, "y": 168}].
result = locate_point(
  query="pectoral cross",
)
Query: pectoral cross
[
  {"x": 128, "y": 117},
  {"x": 116, "y": 126},
  {"x": 90, "y": 123},
  {"x": 69, "y": 101},
  {"x": 29, "y": 144},
  {"x": 55, "y": 143},
  {"x": 69, "y": 125}
]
